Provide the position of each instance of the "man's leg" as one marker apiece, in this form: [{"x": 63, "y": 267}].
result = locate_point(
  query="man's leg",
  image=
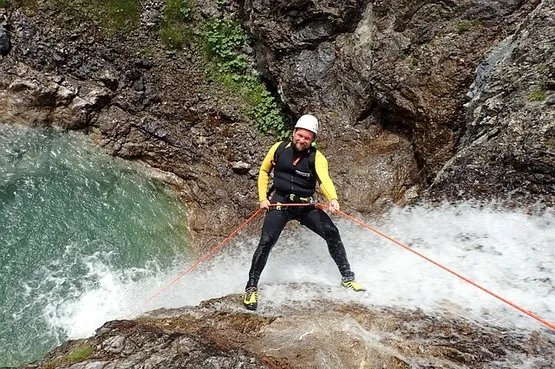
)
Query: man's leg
[
  {"x": 319, "y": 222},
  {"x": 274, "y": 222}
]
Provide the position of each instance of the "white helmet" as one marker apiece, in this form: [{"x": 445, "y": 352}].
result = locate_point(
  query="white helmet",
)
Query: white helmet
[{"x": 309, "y": 122}]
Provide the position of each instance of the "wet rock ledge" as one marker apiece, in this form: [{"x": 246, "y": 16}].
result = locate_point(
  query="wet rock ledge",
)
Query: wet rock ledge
[{"x": 320, "y": 334}]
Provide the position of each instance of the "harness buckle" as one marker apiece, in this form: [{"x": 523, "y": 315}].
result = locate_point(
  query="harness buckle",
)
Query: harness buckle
[{"x": 295, "y": 198}]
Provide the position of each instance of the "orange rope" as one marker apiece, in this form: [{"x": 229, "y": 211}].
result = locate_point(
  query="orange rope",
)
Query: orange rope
[
  {"x": 206, "y": 256},
  {"x": 209, "y": 253},
  {"x": 359, "y": 222},
  {"x": 293, "y": 204}
]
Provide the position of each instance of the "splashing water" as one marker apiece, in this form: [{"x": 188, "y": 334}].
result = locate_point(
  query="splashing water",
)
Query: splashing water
[{"x": 507, "y": 252}]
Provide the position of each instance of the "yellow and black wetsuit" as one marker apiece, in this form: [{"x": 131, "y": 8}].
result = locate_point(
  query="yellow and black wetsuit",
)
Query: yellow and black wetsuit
[{"x": 293, "y": 175}]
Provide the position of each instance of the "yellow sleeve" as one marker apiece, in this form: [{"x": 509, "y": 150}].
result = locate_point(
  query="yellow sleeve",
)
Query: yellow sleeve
[
  {"x": 326, "y": 184},
  {"x": 264, "y": 172}
]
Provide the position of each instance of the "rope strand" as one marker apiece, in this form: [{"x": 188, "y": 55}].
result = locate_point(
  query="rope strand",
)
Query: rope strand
[
  {"x": 521, "y": 309},
  {"x": 212, "y": 251},
  {"x": 364, "y": 225},
  {"x": 205, "y": 256}
]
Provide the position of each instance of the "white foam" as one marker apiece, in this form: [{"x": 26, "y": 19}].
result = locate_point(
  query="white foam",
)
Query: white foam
[{"x": 510, "y": 253}]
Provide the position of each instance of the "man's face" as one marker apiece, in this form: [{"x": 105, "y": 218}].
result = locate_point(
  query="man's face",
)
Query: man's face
[{"x": 302, "y": 138}]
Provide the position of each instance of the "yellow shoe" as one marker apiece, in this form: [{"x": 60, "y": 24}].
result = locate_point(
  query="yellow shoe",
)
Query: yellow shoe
[
  {"x": 250, "y": 299},
  {"x": 353, "y": 285}
]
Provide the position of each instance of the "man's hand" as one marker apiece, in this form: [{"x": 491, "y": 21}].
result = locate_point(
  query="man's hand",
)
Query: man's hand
[
  {"x": 334, "y": 206},
  {"x": 265, "y": 204}
]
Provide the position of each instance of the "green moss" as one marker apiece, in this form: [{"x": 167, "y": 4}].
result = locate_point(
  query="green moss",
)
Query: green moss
[
  {"x": 175, "y": 36},
  {"x": 465, "y": 25},
  {"x": 78, "y": 353},
  {"x": 113, "y": 16},
  {"x": 25, "y": 4},
  {"x": 537, "y": 94},
  {"x": 119, "y": 14},
  {"x": 176, "y": 29},
  {"x": 413, "y": 61},
  {"x": 542, "y": 68}
]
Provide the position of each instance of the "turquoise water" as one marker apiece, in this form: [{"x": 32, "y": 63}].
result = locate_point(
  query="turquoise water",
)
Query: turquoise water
[{"x": 73, "y": 220}]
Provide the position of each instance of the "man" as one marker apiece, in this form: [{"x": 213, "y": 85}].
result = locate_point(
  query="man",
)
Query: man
[{"x": 297, "y": 166}]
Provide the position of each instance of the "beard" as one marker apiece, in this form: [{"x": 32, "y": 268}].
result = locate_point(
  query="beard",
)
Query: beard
[{"x": 300, "y": 147}]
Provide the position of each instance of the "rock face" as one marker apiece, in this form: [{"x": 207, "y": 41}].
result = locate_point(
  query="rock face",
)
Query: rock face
[
  {"x": 509, "y": 144},
  {"x": 397, "y": 67},
  {"x": 456, "y": 95},
  {"x": 138, "y": 100},
  {"x": 321, "y": 335},
  {"x": 389, "y": 81}
]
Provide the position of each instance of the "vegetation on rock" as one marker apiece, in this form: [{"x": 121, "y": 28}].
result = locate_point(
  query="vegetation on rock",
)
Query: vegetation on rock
[
  {"x": 224, "y": 38},
  {"x": 78, "y": 353},
  {"x": 220, "y": 38},
  {"x": 175, "y": 28}
]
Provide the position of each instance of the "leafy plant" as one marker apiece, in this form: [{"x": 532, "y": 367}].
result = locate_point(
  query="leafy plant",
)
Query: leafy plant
[
  {"x": 265, "y": 112},
  {"x": 221, "y": 4},
  {"x": 224, "y": 38},
  {"x": 178, "y": 10}
]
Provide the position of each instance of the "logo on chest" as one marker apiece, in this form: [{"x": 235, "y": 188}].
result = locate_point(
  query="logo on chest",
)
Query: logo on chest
[{"x": 302, "y": 174}]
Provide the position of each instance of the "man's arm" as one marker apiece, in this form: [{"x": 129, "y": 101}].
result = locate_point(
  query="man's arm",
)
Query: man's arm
[
  {"x": 264, "y": 173},
  {"x": 326, "y": 184}
]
